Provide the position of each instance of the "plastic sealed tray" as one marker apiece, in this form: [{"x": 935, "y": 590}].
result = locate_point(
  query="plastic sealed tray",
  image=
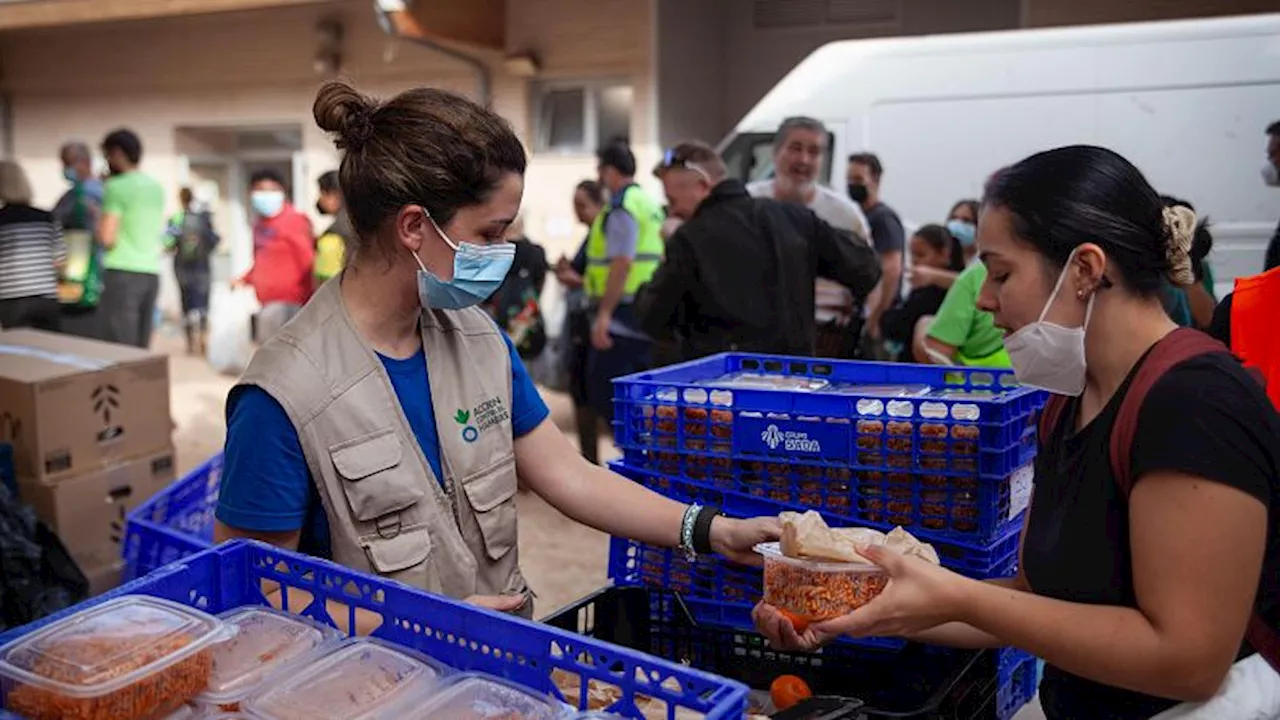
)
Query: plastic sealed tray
[
  {"x": 763, "y": 381},
  {"x": 481, "y": 697},
  {"x": 361, "y": 679},
  {"x": 131, "y": 658},
  {"x": 812, "y": 591},
  {"x": 267, "y": 640}
]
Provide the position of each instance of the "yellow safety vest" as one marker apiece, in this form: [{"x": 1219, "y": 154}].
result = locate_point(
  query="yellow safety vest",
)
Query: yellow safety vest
[{"x": 649, "y": 246}]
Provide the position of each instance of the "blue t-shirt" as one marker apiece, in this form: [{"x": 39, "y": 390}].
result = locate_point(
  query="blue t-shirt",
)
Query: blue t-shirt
[{"x": 266, "y": 485}]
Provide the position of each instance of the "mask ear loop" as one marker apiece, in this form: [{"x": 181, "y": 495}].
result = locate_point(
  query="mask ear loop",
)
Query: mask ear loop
[
  {"x": 1057, "y": 287},
  {"x": 440, "y": 232},
  {"x": 1093, "y": 295}
]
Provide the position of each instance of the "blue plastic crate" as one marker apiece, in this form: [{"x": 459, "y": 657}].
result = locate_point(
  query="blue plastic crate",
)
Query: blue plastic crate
[
  {"x": 462, "y": 636},
  {"x": 971, "y": 420},
  {"x": 717, "y": 593},
  {"x": 174, "y": 523},
  {"x": 1017, "y": 681},
  {"x": 966, "y": 509},
  {"x": 995, "y": 559},
  {"x": 918, "y": 682}
]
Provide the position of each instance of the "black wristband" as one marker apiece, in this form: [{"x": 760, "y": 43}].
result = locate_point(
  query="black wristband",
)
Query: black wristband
[{"x": 702, "y": 530}]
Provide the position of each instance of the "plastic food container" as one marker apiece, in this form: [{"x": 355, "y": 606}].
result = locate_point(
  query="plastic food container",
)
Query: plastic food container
[
  {"x": 267, "y": 640},
  {"x": 359, "y": 679},
  {"x": 130, "y": 658},
  {"x": 480, "y": 697},
  {"x": 760, "y": 381},
  {"x": 811, "y": 590}
]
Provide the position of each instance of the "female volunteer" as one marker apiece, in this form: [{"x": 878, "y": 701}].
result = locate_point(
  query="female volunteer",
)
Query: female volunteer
[
  {"x": 1135, "y": 603},
  {"x": 385, "y": 426}
]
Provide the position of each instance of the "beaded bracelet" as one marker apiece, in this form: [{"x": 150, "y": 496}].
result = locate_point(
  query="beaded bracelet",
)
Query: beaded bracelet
[{"x": 686, "y": 530}]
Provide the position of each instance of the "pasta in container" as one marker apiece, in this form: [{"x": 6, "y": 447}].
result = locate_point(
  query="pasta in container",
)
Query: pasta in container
[
  {"x": 131, "y": 658},
  {"x": 816, "y": 573},
  {"x": 267, "y": 640},
  {"x": 359, "y": 679}
]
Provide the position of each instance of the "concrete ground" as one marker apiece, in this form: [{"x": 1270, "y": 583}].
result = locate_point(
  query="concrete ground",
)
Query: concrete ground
[{"x": 562, "y": 559}]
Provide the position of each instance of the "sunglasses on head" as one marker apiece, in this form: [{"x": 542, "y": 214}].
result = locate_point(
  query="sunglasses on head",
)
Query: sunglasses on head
[{"x": 672, "y": 158}]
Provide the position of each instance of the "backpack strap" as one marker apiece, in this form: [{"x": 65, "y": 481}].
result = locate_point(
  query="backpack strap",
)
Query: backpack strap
[
  {"x": 1178, "y": 346},
  {"x": 1175, "y": 348},
  {"x": 1051, "y": 415}
]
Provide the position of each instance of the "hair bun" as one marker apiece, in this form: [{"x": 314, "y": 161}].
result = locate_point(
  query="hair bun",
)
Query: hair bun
[
  {"x": 341, "y": 110},
  {"x": 1179, "y": 228}
]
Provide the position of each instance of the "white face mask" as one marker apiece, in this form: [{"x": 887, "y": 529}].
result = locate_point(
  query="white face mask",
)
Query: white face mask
[
  {"x": 1271, "y": 174},
  {"x": 1047, "y": 355}
]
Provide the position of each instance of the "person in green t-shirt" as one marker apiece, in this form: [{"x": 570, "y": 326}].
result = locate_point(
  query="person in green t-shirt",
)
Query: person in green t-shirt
[
  {"x": 132, "y": 230},
  {"x": 961, "y": 334}
]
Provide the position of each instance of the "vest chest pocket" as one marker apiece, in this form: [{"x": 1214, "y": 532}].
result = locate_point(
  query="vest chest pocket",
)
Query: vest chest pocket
[
  {"x": 374, "y": 478},
  {"x": 491, "y": 493}
]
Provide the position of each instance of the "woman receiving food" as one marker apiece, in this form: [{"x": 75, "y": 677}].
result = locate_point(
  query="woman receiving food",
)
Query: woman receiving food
[
  {"x": 1148, "y": 586},
  {"x": 386, "y": 425}
]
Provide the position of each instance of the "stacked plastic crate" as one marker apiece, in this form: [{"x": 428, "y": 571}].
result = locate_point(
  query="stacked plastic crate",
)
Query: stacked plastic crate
[{"x": 946, "y": 453}]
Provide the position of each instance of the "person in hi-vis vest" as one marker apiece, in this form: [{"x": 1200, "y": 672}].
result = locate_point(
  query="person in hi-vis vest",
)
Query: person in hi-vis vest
[
  {"x": 388, "y": 425},
  {"x": 624, "y": 249}
]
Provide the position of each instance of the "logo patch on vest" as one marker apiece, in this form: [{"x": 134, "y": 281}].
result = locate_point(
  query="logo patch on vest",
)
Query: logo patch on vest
[{"x": 488, "y": 414}]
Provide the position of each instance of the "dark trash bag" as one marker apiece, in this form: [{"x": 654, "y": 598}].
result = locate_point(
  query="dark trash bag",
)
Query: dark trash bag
[{"x": 37, "y": 575}]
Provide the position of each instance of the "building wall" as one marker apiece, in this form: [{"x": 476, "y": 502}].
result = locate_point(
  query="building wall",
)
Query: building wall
[
  {"x": 255, "y": 68},
  {"x": 576, "y": 40},
  {"x": 1045, "y": 13},
  {"x": 760, "y": 57},
  {"x": 693, "y": 67}
]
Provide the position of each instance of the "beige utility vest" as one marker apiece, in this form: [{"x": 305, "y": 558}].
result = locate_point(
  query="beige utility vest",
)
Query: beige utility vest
[{"x": 388, "y": 514}]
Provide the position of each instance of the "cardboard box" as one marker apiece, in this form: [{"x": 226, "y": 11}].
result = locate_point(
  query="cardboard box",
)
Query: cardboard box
[
  {"x": 88, "y": 512},
  {"x": 104, "y": 578},
  {"x": 71, "y": 406}
]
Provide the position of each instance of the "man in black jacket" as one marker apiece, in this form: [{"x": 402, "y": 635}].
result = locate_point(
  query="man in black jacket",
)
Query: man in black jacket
[{"x": 739, "y": 273}]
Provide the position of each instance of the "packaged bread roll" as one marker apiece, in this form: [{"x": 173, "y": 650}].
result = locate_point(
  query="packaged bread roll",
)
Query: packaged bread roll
[{"x": 807, "y": 536}]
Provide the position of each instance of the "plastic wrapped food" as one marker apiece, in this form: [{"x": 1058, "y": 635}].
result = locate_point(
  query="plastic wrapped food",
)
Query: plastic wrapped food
[
  {"x": 881, "y": 390},
  {"x": 130, "y": 658},
  {"x": 760, "y": 381},
  {"x": 816, "y": 572},
  {"x": 359, "y": 679},
  {"x": 807, "y": 536},
  {"x": 480, "y": 697},
  {"x": 267, "y": 640},
  {"x": 812, "y": 590}
]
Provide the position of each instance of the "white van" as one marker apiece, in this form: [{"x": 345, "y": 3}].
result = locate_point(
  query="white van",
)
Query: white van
[{"x": 1187, "y": 101}]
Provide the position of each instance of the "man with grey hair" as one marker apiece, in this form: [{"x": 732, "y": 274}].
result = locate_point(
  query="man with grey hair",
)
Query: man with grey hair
[
  {"x": 799, "y": 152},
  {"x": 739, "y": 274},
  {"x": 77, "y": 212}
]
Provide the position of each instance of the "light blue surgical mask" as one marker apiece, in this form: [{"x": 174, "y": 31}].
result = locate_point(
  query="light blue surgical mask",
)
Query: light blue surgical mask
[
  {"x": 70, "y": 175},
  {"x": 267, "y": 203},
  {"x": 963, "y": 231},
  {"x": 478, "y": 271}
]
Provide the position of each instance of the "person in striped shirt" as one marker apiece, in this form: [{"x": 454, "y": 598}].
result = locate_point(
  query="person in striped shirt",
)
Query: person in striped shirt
[{"x": 31, "y": 253}]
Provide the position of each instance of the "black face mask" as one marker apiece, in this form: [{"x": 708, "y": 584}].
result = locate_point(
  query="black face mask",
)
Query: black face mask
[{"x": 858, "y": 192}]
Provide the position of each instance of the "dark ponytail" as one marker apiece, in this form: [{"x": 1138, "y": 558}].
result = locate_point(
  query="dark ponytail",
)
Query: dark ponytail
[
  {"x": 1079, "y": 194},
  {"x": 941, "y": 240}
]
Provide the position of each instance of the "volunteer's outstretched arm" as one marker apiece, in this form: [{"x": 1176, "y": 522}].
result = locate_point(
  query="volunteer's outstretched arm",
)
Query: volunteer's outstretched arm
[
  {"x": 550, "y": 466},
  {"x": 1195, "y": 593}
]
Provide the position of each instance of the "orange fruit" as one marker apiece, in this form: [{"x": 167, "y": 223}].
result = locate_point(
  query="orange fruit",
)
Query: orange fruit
[
  {"x": 798, "y": 622},
  {"x": 787, "y": 691}
]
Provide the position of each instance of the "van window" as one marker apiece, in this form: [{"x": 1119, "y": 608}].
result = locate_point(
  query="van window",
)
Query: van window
[{"x": 749, "y": 157}]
